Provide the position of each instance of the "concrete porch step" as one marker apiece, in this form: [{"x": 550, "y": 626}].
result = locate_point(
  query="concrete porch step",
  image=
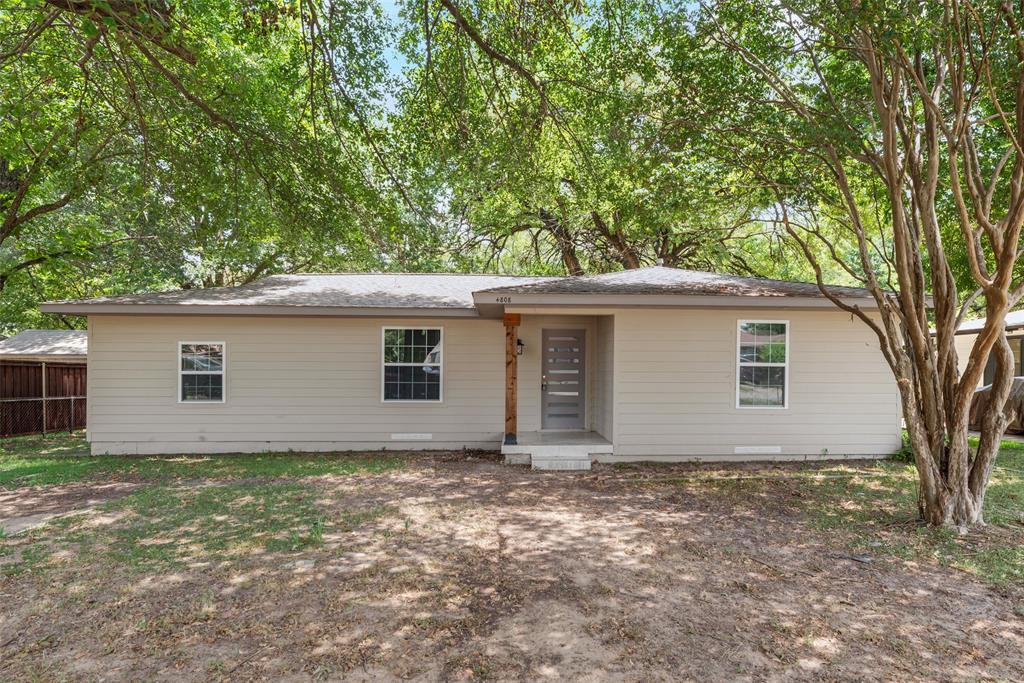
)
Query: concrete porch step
[
  {"x": 561, "y": 464},
  {"x": 560, "y": 451}
]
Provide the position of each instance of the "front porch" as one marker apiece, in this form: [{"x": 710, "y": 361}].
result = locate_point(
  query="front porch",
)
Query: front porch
[
  {"x": 558, "y": 388},
  {"x": 556, "y": 450}
]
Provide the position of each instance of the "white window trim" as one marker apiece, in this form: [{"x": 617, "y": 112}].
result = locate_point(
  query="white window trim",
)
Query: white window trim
[
  {"x": 223, "y": 372},
  {"x": 384, "y": 365},
  {"x": 736, "y": 359}
]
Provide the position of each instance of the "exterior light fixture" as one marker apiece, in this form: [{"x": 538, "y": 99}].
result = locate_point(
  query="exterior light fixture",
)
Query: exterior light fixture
[{"x": 519, "y": 347}]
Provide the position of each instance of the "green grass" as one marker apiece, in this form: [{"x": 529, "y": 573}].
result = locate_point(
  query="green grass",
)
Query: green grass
[
  {"x": 206, "y": 510},
  {"x": 879, "y": 517},
  {"x": 51, "y": 460},
  {"x": 873, "y": 508},
  {"x": 163, "y": 528},
  {"x": 870, "y": 507}
]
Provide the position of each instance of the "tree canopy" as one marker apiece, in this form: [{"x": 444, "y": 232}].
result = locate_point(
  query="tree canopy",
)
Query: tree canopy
[
  {"x": 155, "y": 144},
  {"x": 151, "y": 145}
]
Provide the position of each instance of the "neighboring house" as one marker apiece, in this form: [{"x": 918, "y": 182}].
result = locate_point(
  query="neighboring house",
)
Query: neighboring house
[
  {"x": 52, "y": 346},
  {"x": 968, "y": 333},
  {"x": 43, "y": 382},
  {"x": 651, "y": 364}
]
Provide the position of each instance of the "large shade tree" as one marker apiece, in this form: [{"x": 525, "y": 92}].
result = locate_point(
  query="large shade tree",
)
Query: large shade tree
[
  {"x": 162, "y": 144},
  {"x": 546, "y": 133}
]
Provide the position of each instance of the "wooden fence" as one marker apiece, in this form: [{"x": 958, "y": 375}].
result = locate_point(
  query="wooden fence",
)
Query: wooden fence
[{"x": 39, "y": 397}]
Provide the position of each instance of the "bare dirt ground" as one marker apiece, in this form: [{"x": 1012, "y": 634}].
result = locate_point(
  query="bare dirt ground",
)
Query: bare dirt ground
[
  {"x": 469, "y": 569},
  {"x": 23, "y": 509}
]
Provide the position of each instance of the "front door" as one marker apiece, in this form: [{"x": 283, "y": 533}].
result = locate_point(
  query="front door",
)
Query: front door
[{"x": 563, "y": 382}]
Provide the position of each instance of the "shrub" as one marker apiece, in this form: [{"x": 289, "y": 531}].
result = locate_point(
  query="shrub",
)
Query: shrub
[{"x": 905, "y": 452}]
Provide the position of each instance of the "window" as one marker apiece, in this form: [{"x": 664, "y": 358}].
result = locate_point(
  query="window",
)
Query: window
[
  {"x": 201, "y": 372},
  {"x": 412, "y": 364},
  {"x": 763, "y": 364}
]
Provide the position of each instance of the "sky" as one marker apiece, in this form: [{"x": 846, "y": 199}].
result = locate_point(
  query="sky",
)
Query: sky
[{"x": 394, "y": 58}]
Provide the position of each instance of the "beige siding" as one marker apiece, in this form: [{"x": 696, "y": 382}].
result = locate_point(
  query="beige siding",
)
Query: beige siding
[
  {"x": 963, "y": 344},
  {"x": 301, "y": 383},
  {"x": 675, "y": 387},
  {"x": 661, "y": 385},
  {"x": 604, "y": 382}
]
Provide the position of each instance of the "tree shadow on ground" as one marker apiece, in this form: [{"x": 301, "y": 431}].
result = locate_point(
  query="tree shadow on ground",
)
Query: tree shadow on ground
[{"x": 456, "y": 569}]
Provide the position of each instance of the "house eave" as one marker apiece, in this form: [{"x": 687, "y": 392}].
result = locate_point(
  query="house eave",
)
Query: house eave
[
  {"x": 1009, "y": 329},
  {"x": 87, "y": 309},
  {"x": 487, "y": 305},
  {"x": 42, "y": 358},
  {"x": 497, "y": 299}
]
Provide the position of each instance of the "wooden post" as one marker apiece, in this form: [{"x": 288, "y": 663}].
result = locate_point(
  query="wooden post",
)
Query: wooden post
[
  {"x": 44, "y": 398},
  {"x": 511, "y": 378}
]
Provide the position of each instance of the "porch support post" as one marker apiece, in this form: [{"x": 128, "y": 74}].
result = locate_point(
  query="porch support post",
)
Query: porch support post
[{"x": 511, "y": 378}]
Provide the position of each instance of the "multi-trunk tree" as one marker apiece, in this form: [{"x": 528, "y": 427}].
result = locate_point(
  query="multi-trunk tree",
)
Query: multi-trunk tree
[{"x": 893, "y": 137}]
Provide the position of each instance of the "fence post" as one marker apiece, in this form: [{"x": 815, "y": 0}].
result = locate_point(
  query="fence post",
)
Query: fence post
[{"x": 44, "y": 397}]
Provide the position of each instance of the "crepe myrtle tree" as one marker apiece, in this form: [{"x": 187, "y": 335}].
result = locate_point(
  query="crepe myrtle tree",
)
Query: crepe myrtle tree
[{"x": 903, "y": 122}]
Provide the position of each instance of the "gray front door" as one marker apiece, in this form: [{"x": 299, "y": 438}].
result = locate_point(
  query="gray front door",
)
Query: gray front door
[{"x": 563, "y": 382}]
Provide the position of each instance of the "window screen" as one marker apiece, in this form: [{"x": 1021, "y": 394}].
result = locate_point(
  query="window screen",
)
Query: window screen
[
  {"x": 201, "y": 371},
  {"x": 763, "y": 359},
  {"x": 412, "y": 364}
]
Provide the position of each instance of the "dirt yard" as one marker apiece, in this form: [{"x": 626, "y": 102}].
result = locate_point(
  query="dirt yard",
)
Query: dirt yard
[{"x": 462, "y": 568}]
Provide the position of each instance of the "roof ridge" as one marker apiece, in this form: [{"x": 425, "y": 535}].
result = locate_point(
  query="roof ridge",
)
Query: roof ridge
[
  {"x": 624, "y": 271},
  {"x": 664, "y": 279},
  {"x": 762, "y": 278},
  {"x": 413, "y": 273}
]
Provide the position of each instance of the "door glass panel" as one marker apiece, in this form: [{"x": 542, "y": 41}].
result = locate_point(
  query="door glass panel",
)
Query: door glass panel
[{"x": 563, "y": 385}]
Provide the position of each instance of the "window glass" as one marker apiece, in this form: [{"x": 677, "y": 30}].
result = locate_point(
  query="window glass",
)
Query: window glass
[
  {"x": 201, "y": 372},
  {"x": 762, "y": 364},
  {"x": 412, "y": 364}
]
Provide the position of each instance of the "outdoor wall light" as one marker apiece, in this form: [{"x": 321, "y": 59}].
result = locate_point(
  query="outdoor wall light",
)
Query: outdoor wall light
[{"x": 519, "y": 347}]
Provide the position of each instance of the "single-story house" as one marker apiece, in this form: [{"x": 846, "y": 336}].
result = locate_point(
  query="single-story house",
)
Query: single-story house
[
  {"x": 968, "y": 333},
  {"x": 47, "y": 346},
  {"x": 655, "y": 364}
]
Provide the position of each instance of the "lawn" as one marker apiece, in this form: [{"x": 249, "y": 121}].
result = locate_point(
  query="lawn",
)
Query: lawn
[
  {"x": 454, "y": 566},
  {"x": 873, "y": 508},
  {"x": 878, "y": 514},
  {"x": 49, "y": 460}
]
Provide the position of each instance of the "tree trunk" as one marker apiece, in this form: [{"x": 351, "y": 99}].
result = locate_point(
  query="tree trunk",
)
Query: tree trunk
[
  {"x": 944, "y": 502},
  {"x": 563, "y": 238},
  {"x": 953, "y": 477},
  {"x": 627, "y": 255}
]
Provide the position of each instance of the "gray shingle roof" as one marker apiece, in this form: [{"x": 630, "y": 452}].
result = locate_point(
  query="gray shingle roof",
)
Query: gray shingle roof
[
  {"x": 1014, "y": 321},
  {"x": 662, "y": 280},
  {"x": 345, "y": 290},
  {"x": 46, "y": 343},
  {"x": 330, "y": 294}
]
